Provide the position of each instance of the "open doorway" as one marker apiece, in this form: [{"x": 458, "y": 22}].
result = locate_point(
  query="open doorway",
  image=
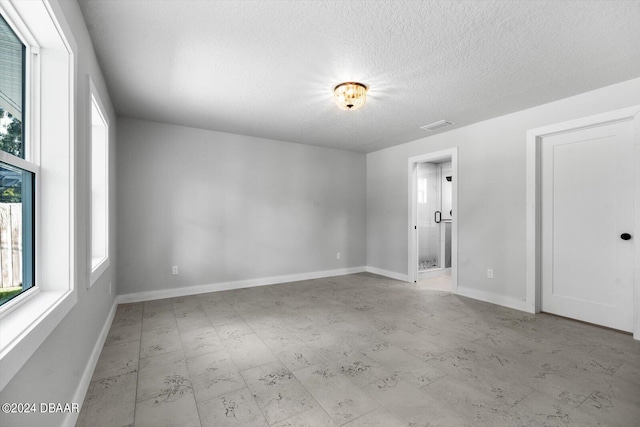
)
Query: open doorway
[
  {"x": 433, "y": 220},
  {"x": 434, "y": 217}
]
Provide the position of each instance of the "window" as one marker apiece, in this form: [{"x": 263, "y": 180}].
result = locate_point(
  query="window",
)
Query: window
[
  {"x": 99, "y": 188},
  {"x": 37, "y": 176},
  {"x": 17, "y": 172}
]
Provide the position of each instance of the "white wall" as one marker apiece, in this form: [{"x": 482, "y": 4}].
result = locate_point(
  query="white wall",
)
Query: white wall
[
  {"x": 54, "y": 372},
  {"x": 491, "y": 192},
  {"x": 226, "y": 207}
]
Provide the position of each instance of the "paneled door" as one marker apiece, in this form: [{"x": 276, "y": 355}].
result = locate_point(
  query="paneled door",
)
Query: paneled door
[{"x": 587, "y": 220}]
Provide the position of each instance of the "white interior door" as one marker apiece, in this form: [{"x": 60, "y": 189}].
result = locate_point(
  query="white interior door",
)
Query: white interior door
[{"x": 587, "y": 198}]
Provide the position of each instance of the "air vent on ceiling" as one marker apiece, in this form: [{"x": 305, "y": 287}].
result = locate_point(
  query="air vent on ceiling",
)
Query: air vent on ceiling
[{"x": 437, "y": 125}]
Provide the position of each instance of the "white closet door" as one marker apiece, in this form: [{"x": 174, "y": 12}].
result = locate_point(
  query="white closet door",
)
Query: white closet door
[{"x": 587, "y": 204}]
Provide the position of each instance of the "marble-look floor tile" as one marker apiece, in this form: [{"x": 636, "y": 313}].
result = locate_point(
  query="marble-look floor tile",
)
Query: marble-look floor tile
[
  {"x": 124, "y": 331},
  {"x": 360, "y": 369},
  {"x": 233, "y": 330},
  {"x": 158, "y": 320},
  {"x": 278, "y": 393},
  {"x": 489, "y": 326},
  {"x": 176, "y": 409},
  {"x": 234, "y": 409},
  {"x": 128, "y": 313},
  {"x": 213, "y": 374},
  {"x": 539, "y": 409},
  {"x": 117, "y": 359},
  {"x": 316, "y": 417},
  {"x": 455, "y": 329},
  {"x": 571, "y": 358},
  {"x": 248, "y": 351},
  {"x": 378, "y": 418},
  {"x": 397, "y": 362},
  {"x": 159, "y": 341},
  {"x": 188, "y": 302},
  {"x": 550, "y": 341},
  {"x": 197, "y": 342},
  {"x": 620, "y": 345},
  {"x": 210, "y": 298},
  {"x": 554, "y": 385},
  {"x": 341, "y": 398},
  {"x": 460, "y": 361},
  {"x": 164, "y": 374},
  {"x": 158, "y": 314},
  {"x": 220, "y": 313},
  {"x": 613, "y": 387},
  {"x": 417, "y": 378},
  {"x": 442, "y": 339},
  {"x": 629, "y": 372},
  {"x": 295, "y": 355},
  {"x": 611, "y": 411},
  {"x": 414, "y": 406},
  {"x": 189, "y": 318},
  {"x": 276, "y": 334},
  {"x": 110, "y": 402},
  {"x": 415, "y": 346},
  {"x": 466, "y": 398},
  {"x": 361, "y": 350},
  {"x": 157, "y": 305}
]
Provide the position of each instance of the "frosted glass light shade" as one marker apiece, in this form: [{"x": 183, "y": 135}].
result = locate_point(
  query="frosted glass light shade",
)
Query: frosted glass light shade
[{"x": 350, "y": 95}]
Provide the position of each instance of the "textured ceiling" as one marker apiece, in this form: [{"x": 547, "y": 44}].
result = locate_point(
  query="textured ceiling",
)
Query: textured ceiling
[{"x": 267, "y": 68}]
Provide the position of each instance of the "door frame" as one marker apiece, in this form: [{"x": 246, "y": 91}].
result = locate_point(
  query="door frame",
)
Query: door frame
[
  {"x": 535, "y": 138},
  {"x": 450, "y": 154}
]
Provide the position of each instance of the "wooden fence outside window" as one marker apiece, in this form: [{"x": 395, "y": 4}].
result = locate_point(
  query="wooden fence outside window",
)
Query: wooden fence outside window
[{"x": 11, "y": 244}]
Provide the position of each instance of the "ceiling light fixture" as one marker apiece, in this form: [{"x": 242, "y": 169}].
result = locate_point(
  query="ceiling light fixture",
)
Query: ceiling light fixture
[{"x": 350, "y": 95}]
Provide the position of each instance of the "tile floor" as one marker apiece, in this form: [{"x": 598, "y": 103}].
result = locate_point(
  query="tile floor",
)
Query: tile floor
[{"x": 358, "y": 350}]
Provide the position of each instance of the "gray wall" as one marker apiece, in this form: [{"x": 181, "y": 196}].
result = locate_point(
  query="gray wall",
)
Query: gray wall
[
  {"x": 226, "y": 207},
  {"x": 54, "y": 372},
  {"x": 491, "y": 190}
]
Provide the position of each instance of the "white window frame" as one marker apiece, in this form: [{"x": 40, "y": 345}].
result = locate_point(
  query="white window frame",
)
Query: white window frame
[
  {"x": 103, "y": 264},
  {"x": 28, "y": 319},
  {"x": 31, "y": 117}
]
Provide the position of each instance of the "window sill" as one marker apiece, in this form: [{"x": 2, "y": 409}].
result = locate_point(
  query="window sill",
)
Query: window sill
[
  {"x": 26, "y": 327},
  {"x": 98, "y": 270}
]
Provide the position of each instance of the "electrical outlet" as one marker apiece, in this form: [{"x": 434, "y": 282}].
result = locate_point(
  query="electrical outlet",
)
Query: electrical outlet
[
  {"x": 338, "y": 255},
  {"x": 489, "y": 273},
  {"x": 174, "y": 270}
]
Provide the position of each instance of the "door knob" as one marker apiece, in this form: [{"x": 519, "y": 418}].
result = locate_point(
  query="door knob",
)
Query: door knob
[{"x": 625, "y": 236}]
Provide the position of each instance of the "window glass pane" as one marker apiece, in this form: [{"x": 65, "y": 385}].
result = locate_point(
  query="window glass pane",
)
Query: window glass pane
[
  {"x": 99, "y": 191},
  {"x": 16, "y": 231},
  {"x": 12, "y": 60}
]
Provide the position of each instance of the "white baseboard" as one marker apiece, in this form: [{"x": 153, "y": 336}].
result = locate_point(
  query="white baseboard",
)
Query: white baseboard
[
  {"x": 72, "y": 417},
  {"x": 387, "y": 273},
  {"x": 225, "y": 286},
  {"x": 493, "y": 298}
]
